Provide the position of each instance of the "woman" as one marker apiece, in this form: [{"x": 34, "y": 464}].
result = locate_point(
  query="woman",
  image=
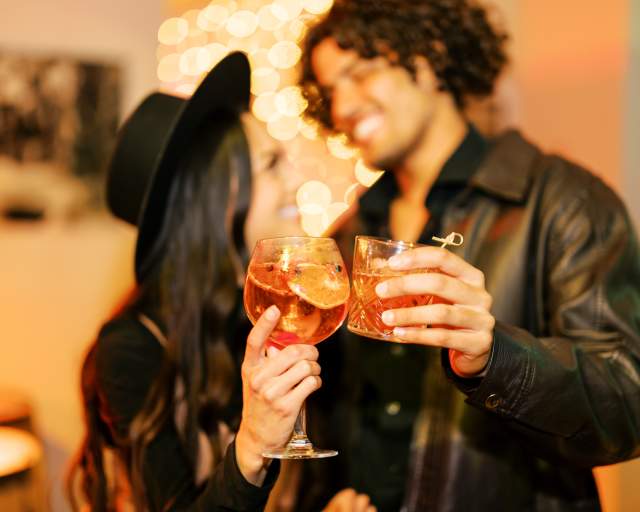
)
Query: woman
[{"x": 162, "y": 389}]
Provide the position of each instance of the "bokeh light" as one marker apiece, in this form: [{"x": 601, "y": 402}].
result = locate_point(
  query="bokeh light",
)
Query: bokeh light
[
  {"x": 290, "y": 102},
  {"x": 283, "y": 128},
  {"x": 338, "y": 147},
  {"x": 264, "y": 80},
  {"x": 173, "y": 31},
  {"x": 284, "y": 54},
  {"x": 264, "y": 107},
  {"x": 242, "y": 23},
  {"x": 270, "y": 33},
  {"x": 213, "y": 17},
  {"x": 317, "y": 6},
  {"x": 169, "y": 68},
  {"x": 366, "y": 175},
  {"x": 313, "y": 197}
]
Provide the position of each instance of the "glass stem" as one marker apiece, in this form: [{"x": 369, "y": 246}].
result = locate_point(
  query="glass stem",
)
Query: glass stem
[{"x": 299, "y": 439}]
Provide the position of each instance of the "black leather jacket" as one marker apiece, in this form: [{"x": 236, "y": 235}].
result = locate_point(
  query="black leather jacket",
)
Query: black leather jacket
[{"x": 562, "y": 390}]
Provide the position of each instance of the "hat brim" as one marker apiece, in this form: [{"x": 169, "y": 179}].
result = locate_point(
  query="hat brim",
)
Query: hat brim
[{"x": 225, "y": 88}]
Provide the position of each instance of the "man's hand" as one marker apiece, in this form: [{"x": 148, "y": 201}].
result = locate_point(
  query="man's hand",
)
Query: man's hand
[{"x": 462, "y": 323}]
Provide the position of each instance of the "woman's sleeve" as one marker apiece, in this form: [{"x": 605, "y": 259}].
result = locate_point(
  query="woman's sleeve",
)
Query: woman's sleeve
[{"x": 127, "y": 363}]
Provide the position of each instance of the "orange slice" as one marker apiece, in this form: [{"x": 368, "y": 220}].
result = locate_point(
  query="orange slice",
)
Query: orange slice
[
  {"x": 269, "y": 277},
  {"x": 323, "y": 286}
]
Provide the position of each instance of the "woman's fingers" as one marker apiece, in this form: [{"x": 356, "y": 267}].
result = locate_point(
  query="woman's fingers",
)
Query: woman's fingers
[
  {"x": 259, "y": 335},
  {"x": 279, "y": 386},
  {"x": 279, "y": 363},
  {"x": 292, "y": 401}
]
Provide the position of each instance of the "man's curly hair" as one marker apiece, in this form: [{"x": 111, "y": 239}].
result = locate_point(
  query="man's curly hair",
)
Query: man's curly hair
[{"x": 455, "y": 36}]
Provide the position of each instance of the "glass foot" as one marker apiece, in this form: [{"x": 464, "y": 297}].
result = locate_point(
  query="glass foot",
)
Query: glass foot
[{"x": 299, "y": 448}]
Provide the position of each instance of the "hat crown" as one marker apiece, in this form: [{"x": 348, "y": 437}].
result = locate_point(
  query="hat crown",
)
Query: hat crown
[{"x": 140, "y": 146}]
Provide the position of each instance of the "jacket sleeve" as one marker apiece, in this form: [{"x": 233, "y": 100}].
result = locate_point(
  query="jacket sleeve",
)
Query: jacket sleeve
[
  {"x": 126, "y": 369},
  {"x": 575, "y": 394}
]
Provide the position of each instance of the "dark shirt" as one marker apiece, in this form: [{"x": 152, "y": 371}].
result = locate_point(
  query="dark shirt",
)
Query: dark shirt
[
  {"x": 128, "y": 358},
  {"x": 386, "y": 377}
]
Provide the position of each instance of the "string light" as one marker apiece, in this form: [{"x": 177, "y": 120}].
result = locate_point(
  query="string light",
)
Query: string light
[
  {"x": 212, "y": 17},
  {"x": 284, "y": 54},
  {"x": 317, "y": 6},
  {"x": 269, "y": 33},
  {"x": 283, "y": 128},
  {"x": 264, "y": 80},
  {"x": 242, "y": 23},
  {"x": 290, "y": 102},
  {"x": 366, "y": 175},
  {"x": 313, "y": 197},
  {"x": 264, "y": 107},
  {"x": 169, "y": 68},
  {"x": 337, "y": 145},
  {"x": 173, "y": 31},
  {"x": 351, "y": 194},
  {"x": 287, "y": 10},
  {"x": 268, "y": 20}
]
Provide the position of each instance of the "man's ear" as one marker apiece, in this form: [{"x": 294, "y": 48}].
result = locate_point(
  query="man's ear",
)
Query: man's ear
[{"x": 425, "y": 76}]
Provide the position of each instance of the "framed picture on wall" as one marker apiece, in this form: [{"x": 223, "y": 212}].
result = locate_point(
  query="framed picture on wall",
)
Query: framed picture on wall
[{"x": 58, "y": 120}]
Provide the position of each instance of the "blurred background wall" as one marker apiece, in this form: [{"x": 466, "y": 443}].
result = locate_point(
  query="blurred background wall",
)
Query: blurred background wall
[{"x": 573, "y": 88}]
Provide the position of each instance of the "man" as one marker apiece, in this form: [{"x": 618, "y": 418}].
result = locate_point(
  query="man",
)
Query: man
[{"x": 536, "y": 376}]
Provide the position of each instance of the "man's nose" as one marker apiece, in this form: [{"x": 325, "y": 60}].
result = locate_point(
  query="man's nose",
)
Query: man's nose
[{"x": 345, "y": 105}]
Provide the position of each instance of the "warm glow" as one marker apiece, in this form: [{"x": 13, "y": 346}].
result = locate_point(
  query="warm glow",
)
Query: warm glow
[
  {"x": 313, "y": 197},
  {"x": 290, "y": 102},
  {"x": 308, "y": 129},
  {"x": 216, "y": 52},
  {"x": 191, "y": 17},
  {"x": 264, "y": 107},
  {"x": 268, "y": 20},
  {"x": 169, "y": 68},
  {"x": 314, "y": 224},
  {"x": 337, "y": 145},
  {"x": 195, "y": 61},
  {"x": 366, "y": 175},
  {"x": 264, "y": 80},
  {"x": 19, "y": 451},
  {"x": 317, "y": 6},
  {"x": 242, "y": 24},
  {"x": 283, "y": 128},
  {"x": 333, "y": 211},
  {"x": 213, "y": 17},
  {"x": 186, "y": 89},
  {"x": 284, "y": 54},
  {"x": 173, "y": 31},
  {"x": 351, "y": 194},
  {"x": 286, "y": 10}
]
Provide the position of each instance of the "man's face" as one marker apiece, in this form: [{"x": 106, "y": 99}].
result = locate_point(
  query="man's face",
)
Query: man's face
[{"x": 383, "y": 110}]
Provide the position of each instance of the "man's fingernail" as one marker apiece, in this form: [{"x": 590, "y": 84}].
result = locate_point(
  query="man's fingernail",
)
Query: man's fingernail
[
  {"x": 388, "y": 317},
  {"x": 382, "y": 289},
  {"x": 395, "y": 261},
  {"x": 400, "y": 332},
  {"x": 272, "y": 313}
]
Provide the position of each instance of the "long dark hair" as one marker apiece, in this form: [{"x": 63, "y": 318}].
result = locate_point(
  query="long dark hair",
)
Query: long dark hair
[{"x": 191, "y": 291}]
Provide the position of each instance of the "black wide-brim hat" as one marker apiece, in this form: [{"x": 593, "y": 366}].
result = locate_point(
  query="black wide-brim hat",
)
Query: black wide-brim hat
[{"x": 150, "y": 143}]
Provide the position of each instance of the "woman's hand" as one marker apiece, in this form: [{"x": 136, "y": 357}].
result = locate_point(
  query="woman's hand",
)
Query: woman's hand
[
  {"x": 349, "y": 500},
  {"x": 463, "y": 323},
  {"x": 274, "y": 389}
]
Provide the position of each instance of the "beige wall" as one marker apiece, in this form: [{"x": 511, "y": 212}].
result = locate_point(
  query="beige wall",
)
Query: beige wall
[
  {"x": 57, "y": 282},
  {"x": 573, "y": 88}
]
